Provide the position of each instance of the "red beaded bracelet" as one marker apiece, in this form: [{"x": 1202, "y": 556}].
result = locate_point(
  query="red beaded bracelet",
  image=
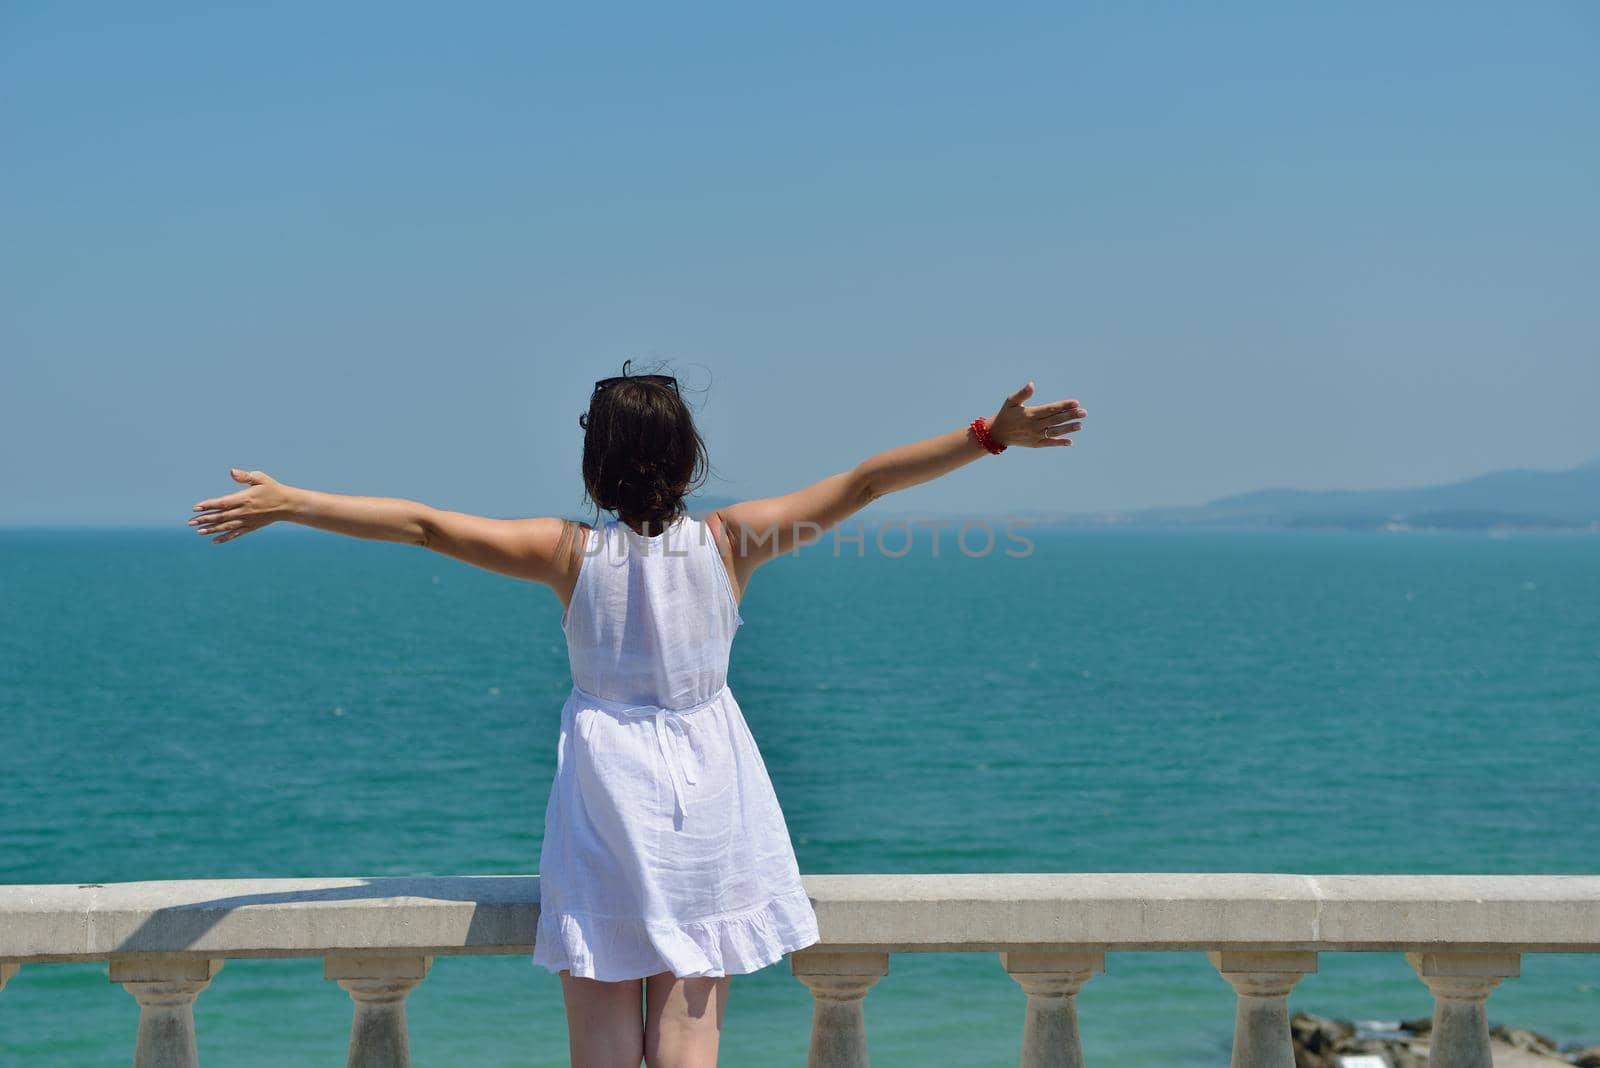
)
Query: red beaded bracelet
[{"x": 980, "y": 428}]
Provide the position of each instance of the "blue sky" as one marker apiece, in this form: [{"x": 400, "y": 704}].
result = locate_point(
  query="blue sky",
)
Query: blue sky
[{"x": 385, "y": 248}]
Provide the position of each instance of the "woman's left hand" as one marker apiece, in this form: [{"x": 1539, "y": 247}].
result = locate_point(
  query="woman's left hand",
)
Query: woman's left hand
[
  {"x": 1036, "y": 426},
  {"x": 266, "y": 501}
]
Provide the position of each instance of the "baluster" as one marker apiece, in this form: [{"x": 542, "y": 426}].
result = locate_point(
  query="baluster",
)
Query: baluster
[
  {"x": 379, "y": 986},
  {"x": 838, "y": 983},
  {"x": 1263, "y": 980},
  {"x": 165, "y": 990},
  {"x": 1461, "y": 983},
  {"x": 1052, "y": 982}
]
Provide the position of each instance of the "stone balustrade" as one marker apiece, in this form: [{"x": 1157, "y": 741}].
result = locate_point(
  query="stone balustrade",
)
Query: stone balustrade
[{"x": 1463, "y": 934}]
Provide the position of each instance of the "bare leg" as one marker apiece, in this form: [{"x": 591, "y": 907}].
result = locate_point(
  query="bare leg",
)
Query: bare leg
[
  {"x": 683, "y": 1020},
  {"x": 603, "y": 1024}
]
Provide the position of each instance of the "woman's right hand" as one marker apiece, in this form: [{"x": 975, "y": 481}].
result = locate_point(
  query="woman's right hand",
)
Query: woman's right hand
[
  {"x": 266, "y": 501},
  {"x": 1038, "y": 426}
]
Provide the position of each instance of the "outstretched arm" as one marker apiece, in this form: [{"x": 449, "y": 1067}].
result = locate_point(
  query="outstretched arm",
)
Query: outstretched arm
[
  {"x": 535, "y": 549},
  {"x": 759, "y": 530}
]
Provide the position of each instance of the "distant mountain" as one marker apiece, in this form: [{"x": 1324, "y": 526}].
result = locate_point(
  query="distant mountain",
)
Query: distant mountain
[{"x": 1507, "y": 500}]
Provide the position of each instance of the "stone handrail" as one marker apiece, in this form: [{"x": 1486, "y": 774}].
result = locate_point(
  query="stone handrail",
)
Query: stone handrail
[{"x": 1462, "y": 934}]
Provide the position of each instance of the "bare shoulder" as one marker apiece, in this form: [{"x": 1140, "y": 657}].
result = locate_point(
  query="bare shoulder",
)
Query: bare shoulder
[
  {"x": 574, "y": 541},
  {"x": 766, "y": 527},
  {"x": 717, "y": 524}
]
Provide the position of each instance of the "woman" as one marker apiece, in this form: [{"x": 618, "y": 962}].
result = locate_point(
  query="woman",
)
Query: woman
[{"x": 666, "y": 865}]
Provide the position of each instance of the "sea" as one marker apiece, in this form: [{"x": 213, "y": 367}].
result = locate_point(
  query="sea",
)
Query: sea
[{"x": 295, "y": 703}]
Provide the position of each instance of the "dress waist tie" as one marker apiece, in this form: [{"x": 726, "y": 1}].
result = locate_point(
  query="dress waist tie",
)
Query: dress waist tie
[{"x": 678, "y": 771}]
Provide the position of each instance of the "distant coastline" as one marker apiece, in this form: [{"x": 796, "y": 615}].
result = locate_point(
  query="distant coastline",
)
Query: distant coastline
[{"x": 1499, "y": 503}]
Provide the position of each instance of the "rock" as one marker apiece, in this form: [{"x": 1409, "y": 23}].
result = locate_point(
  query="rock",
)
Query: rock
[
  {"x": 1323, "y": 1042},
  {"x": 1304, "y": 1058},
  {"x": 1319, "y": 1034},
  {"x": 1394, "y": 1051},
  {"x": 1397, "y": 1052},
  {"x": 1521, "y": 1039},
  {"x": 1406, "y": 1057}
]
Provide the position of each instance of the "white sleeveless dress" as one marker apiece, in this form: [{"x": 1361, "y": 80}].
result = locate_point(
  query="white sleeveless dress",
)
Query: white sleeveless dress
[{"x": 664, "y": 846}]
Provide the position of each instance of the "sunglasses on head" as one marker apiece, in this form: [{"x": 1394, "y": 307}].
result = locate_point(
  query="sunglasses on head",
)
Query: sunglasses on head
[{"x": 656, "y": 380}]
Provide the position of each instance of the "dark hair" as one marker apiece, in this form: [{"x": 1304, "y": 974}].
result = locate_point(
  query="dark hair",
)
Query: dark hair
[{"x": 641, "y": 452}]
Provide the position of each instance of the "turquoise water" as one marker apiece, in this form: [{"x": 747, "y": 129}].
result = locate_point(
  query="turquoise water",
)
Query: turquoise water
[{"x": 298, "y": 704}]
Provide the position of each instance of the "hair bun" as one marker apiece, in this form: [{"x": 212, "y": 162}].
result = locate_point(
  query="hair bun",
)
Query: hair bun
[{"x": 641, "y": 453}]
